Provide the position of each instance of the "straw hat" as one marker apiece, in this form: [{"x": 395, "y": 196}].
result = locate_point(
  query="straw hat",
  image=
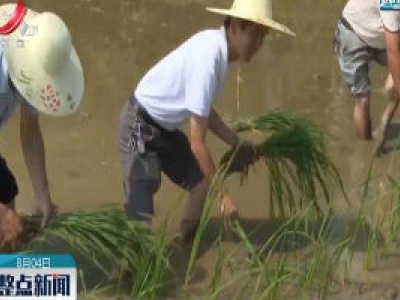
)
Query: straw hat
[
  {"x": 42, "y": 62},
  {"x": 258, "y": 11}
]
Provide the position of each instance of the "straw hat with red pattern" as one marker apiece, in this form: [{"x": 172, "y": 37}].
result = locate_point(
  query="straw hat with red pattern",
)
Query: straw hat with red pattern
[{"x": 42, "y": 62}]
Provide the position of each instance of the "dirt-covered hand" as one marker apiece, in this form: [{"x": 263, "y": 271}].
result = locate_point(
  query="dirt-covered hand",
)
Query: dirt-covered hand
[
  {"x": 240, "y": 158},
  {"x": 246, "y": 154},
  {"x": 10, "y": 227},
  {"x": 228, "y": 211}
]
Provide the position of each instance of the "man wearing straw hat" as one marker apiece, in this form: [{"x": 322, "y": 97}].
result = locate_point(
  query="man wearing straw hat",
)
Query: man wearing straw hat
[
  {"x": 181, "y": 88},
  {"x": 365, "y": 33},
  {"x": 40, "y": 71}
]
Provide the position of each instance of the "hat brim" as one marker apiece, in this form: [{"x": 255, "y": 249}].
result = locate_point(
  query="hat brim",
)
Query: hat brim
[
  {"x": 263, "y": 21},
  {"x": 56, "y": 94}
]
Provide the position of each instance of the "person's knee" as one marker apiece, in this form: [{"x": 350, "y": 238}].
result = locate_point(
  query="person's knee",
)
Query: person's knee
[{"x": 391, "y": 92}]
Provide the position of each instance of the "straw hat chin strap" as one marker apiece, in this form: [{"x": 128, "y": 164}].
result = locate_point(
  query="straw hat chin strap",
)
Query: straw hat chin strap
[{"x": 16, "y": 20}]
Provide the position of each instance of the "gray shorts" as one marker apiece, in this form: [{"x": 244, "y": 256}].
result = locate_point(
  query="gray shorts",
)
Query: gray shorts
[
  {"x": 165, "y": 151},
  {"x": 354, "y": 57}
]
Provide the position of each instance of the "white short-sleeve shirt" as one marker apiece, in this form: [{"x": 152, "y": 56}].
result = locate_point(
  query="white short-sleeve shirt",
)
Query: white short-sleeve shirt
[
  {"x": 369, "y": 22},
  {"x": 186, "y": 81}
]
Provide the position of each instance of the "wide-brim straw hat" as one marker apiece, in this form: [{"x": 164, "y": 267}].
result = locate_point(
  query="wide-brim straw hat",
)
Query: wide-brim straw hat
[
  {"x": 42, "y": 62},
  {"x": 257, "y": 11}
]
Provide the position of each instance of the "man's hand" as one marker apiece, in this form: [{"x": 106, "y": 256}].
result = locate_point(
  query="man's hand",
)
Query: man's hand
[
  {"x": 46, "y": 212},
  {"x": 246, "y": 154},
  {"x": 10, "y": 227},
  {"x": 228, "y": 210},
  {"x": 34, "y": 154},
  {"x": 240, "y": 158}
]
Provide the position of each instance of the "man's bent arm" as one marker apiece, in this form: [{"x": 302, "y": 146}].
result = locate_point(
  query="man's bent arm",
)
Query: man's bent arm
[
  {"x": 221, "y": 130},
  {"x": 198, "y": 132},
  {"x": 393, "y": 54},
  {"x": 34, "y": 154}
]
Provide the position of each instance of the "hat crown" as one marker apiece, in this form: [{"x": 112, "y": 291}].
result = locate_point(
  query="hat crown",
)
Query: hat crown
[
  {"x": 253, "y": 8},
  {"x": 53, "y": 45}
]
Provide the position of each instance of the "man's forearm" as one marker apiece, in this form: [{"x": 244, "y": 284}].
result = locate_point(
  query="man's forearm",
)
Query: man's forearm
[
  {"x": 206, "y": 163},
  {"x": 34, "y": 154},
  {"x": 221, "y": 130},
  {"x": 393, "y": 53}
]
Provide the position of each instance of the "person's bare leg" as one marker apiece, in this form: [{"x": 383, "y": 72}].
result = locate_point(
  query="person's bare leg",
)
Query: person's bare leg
[
  {"x": 362, "y": 117},
  {"x": 193, "y": 209}
]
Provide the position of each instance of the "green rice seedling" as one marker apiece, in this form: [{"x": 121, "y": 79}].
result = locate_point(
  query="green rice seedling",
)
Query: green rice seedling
[
  {"x": 151, "y": 270},
  {"x": 110, "y": 242},
  {"x": 303, "y": 273},
  {"x": 240, "y": 282},
  {"x": 240, "y": 279},
  {"x": 273, "y": 274},
  {"x": 96, "y": 293},
  {"x": 394, "y": 219},
  {"x": 213, "y": 196},
  {"x": 277, "y": 273},
  {"x": 214, "y": 290},
  {"x": 280, "y": 279},
  {"x": 383, "y": 218},
  {"x": 205, "y": 218},
  {"x": 360, "y": 222},
  {"x": 299, "y": 169},
  {"x": 255, "y": 262},
  {"x": 319, "y": 268},
  {"x": 376, "y": 216},
  {"x": 373, "y": 220},
  {"x": 314, "y": 264},
  {"x": 338, "y": 253},
  {"x": 372, "y": 255},
  {"x": 294, "y": 152}
]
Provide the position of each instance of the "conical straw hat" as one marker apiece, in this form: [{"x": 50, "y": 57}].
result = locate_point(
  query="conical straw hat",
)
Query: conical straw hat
[{"x": 258, "y": 11}]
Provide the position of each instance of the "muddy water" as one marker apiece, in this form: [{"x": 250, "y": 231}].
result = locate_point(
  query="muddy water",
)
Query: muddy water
[{"x": 119, "y": 40}]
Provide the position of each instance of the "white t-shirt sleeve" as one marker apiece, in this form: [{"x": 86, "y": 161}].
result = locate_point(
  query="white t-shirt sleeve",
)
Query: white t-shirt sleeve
[
  {"x": 201, "y": 80},
  {"x": 391, "y": 20}
]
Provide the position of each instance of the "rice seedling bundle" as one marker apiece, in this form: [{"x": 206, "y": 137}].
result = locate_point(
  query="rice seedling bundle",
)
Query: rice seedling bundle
[
  {"x": 107, "y": 240},
  {"x": 294, "y": 151}
]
